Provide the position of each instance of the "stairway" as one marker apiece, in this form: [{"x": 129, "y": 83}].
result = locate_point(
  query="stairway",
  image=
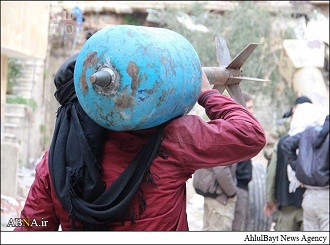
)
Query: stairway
[
  {"x": 28, "y": 78},
  {"x": 14, "y": 121},
  {"x": 18, "y": 117}
]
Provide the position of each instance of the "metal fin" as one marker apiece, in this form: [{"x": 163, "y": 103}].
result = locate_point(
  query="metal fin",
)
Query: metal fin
[
  {"x": 240, "y": 59},
  {"x": 235, "y": 92},
  {"x": 222, "y": 51}
]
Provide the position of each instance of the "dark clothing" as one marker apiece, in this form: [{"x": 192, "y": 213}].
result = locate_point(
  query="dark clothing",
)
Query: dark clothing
[
  {"x": 242, "y": 207},
  {"x": 312, "y": 162},
  {"x": 312, "y": 169},
  {"x": 282, "y": 194},
  {"x": 244, "y": 174},
  {"x": 323, "y": 135}
]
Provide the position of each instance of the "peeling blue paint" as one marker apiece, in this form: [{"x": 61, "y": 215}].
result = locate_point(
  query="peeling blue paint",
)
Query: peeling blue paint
[{"x": 159, "y": 76}]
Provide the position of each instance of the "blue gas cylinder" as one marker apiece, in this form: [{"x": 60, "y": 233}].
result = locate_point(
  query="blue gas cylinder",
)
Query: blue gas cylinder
[{"x": 130, "y": 77}]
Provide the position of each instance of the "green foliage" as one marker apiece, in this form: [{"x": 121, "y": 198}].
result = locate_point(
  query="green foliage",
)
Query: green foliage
[
  {"x": 14, "y": 72},
  {"x": 20, "y": 100},
  {"x": 131, "y": 20},
  {"x": 251, "y": 24},
  {"x": 45, "y": 137},
  {"x": 247, "y": 23}
]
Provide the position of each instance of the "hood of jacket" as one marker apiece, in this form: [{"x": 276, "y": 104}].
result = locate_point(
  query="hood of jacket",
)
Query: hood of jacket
[{"x": 322, "y": 134}]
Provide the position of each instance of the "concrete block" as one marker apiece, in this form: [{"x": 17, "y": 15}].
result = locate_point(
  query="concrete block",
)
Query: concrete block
[{"x": 9, "y": 168}]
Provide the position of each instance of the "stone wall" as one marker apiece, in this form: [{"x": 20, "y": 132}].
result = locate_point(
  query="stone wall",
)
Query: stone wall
[{"x": 9, "y": 155}]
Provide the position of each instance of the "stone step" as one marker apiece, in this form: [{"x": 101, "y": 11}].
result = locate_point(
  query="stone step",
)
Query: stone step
[
  {"x": 26, "y": 73},
  {"x": 22, "y": 90},
  {"x": 19, "y": 109},
  {"x": 11, "y": 128},
  {"x": 30, "y": 63},
  {"x": 14, "y": 118},
  {"x": 24, "y": 84},
  {"x": 31, "y": 72},
  {"x": 23, "y": 94},
  {"x": 25, "y": 80},
  {"x": 9, "y": 138},
  {"x": 21, "y": 87}
]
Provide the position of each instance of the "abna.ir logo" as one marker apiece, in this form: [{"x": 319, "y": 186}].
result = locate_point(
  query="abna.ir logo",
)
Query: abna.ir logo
[{"x": 26, "y": 222}]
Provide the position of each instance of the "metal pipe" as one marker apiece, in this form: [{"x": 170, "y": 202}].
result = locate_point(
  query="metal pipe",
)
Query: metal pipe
[
  {"x": 220, "y": 75},
  {"x": 105, "y": 81}
]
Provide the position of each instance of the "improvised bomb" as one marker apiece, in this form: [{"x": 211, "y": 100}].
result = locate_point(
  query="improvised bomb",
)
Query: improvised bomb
[{"x": 136, "y": 77}]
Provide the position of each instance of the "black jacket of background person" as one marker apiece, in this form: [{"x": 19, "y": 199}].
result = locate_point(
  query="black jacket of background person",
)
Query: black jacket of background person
[
  {"x": 312, "y": 162},
  {"x": 282, "y": 194},
  {"x": 244, "y": 174}
]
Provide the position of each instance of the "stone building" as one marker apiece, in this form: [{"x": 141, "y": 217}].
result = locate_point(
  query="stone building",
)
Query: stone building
[{"x": 24, "y": 35}]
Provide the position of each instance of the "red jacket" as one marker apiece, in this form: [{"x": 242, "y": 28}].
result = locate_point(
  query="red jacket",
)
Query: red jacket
[{"x": 232, "y": 135}]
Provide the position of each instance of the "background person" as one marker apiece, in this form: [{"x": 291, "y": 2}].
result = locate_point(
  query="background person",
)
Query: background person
[
  {"x": 243, "y": 177},
  {"x": 307, "y": 152},
  {"x": 219, "y": 210},
  {"x": 273, "y": 153}
]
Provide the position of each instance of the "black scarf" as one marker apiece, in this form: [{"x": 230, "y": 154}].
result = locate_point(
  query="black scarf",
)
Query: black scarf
[{"x": 74, "y": 162}]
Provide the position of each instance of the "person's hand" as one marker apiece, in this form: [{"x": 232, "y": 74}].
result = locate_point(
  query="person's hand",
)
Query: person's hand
[
  {"x": 269, "y": 208},
  {"x": 205, "y": 83},
  {"x": 294, "y": 182},
  {"x": 294, "y": 185}
]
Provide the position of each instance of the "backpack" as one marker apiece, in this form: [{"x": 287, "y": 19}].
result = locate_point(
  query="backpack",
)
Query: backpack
[
  {"x": 204, "y": 182},
  {"x": 313, "y": 162}
]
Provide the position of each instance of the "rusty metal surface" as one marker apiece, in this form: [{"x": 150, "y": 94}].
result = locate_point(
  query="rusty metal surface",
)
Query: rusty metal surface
[{"x": 159, "y": 76}]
